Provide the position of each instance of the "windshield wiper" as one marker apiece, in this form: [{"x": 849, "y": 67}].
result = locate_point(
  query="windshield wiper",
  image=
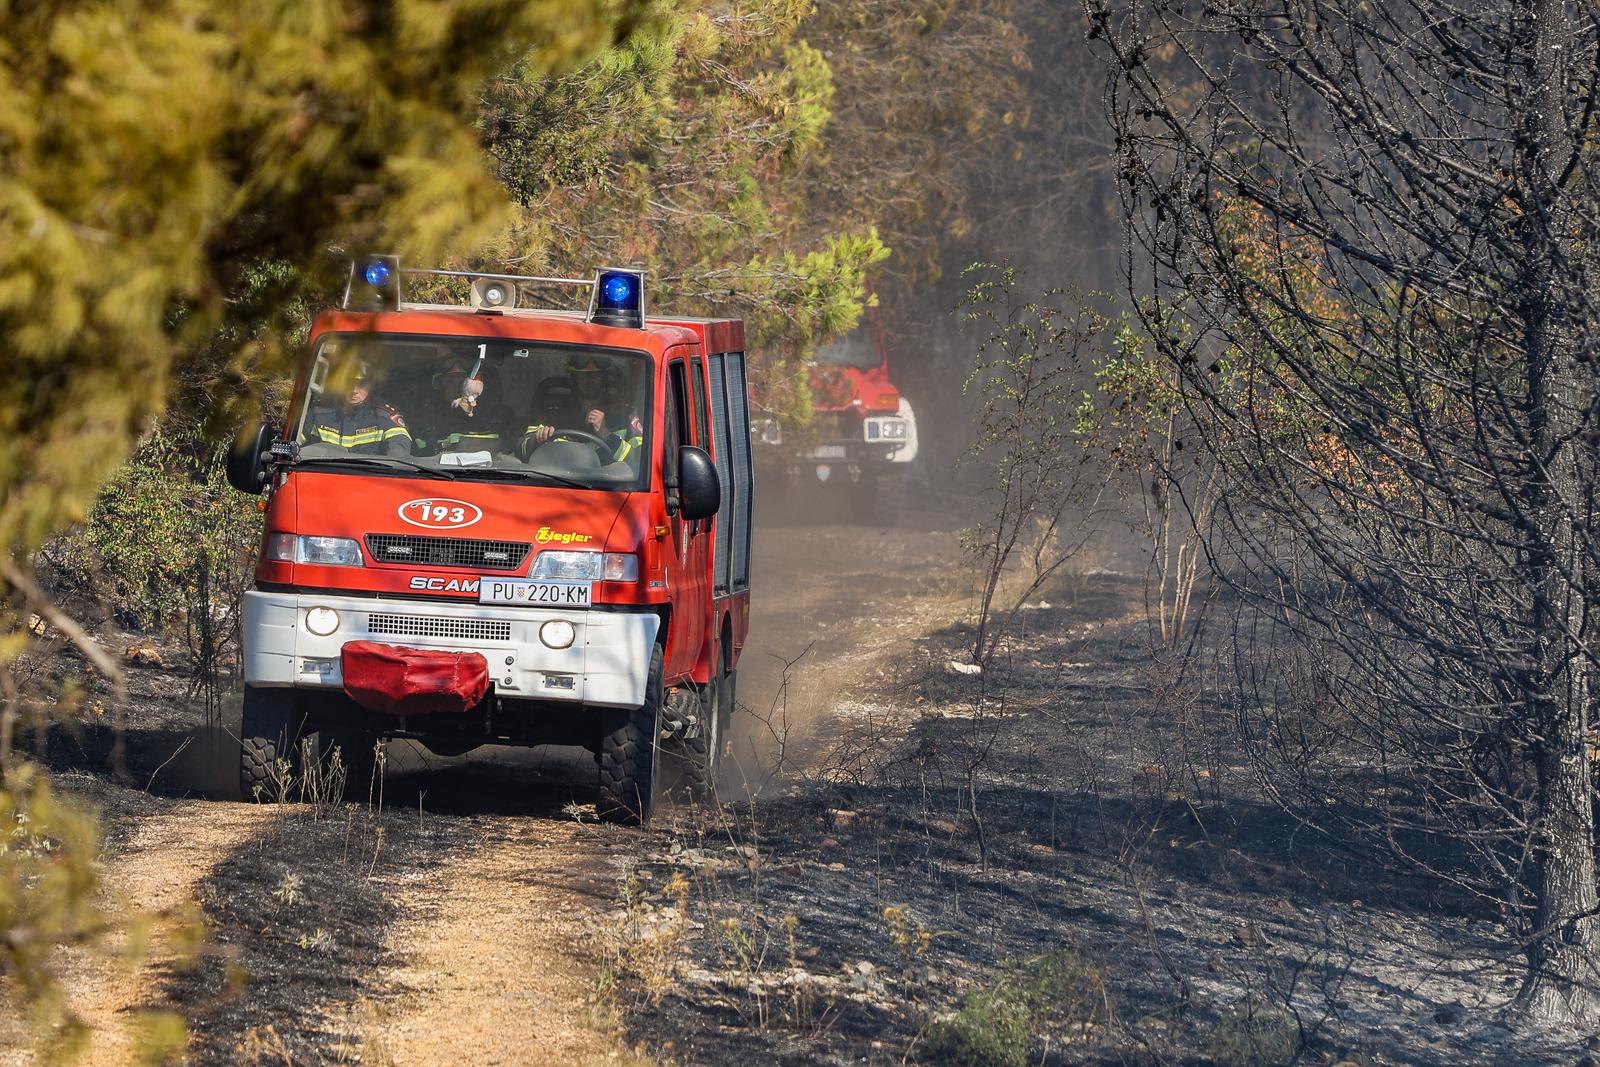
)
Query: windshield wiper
[
  {"x": 439, "y": 472},
  {"x": 559, "y": 479},
  {"x": 513, "y": 474},
  {"x": 452, "y": 473}
]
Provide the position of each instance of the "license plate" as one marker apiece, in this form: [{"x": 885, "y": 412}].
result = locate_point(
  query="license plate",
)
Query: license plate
[
  {"x": 524, "y": 591},
  {"x": 827, "y": 452}
]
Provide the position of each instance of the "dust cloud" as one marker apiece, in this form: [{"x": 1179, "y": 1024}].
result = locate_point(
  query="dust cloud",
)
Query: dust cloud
[{"x": 823, "y": 595}]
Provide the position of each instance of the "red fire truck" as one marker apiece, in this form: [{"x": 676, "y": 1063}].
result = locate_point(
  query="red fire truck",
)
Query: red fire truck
[
  {"x": 493, "y": 524},
  {"x": 862, "y": 438}
]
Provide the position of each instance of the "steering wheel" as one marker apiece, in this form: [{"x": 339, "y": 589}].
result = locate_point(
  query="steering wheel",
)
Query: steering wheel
[{"x": 592, "y": 438}]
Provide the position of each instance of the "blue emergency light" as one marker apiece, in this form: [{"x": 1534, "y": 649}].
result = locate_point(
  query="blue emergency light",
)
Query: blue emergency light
[
  {"x": 618, "y": 298},
  {"x": 374, "y": 284}
]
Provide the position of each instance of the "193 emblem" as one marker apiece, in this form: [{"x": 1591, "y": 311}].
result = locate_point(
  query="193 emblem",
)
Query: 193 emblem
[{"x": 438, "y": 513}]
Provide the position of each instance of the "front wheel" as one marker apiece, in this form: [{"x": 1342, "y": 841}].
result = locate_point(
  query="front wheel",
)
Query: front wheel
[
  {"x": 630, "y": 755},
  {"x": 271, "y": 756}
]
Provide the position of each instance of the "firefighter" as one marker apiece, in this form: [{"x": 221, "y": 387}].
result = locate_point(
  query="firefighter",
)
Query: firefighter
[
  {"x": 601, "y": 406},
  {"x": 467, "y": 415},
  {"x": 358, "y": 422}
]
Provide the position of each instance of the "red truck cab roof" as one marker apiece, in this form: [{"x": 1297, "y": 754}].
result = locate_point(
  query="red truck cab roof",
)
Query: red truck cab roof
[{"x": 560, "y": 327}]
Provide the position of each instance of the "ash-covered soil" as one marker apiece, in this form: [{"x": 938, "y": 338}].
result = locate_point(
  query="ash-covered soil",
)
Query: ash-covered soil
[
  {"x": 1060, "y": 860},
  {"x": 297, "y": 917},
  {"x": 331, "y": 926},
  {"x": 953, "y": 843}
]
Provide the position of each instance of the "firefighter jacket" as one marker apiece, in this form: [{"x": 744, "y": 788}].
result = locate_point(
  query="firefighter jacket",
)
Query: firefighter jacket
[
  {"x": 370, "y": 428},
  {"x": 449, "y": 429},
  {"x": 625, "y": 443},
  {"x": 620, "y": 444}
]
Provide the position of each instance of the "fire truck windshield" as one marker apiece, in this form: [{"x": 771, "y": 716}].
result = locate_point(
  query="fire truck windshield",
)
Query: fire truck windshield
[
  {"x": 852, "y": 350},
  {"x": 466, "y": 407}
]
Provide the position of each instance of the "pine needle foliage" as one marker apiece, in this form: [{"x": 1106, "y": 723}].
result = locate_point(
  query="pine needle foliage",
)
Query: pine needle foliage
[
  {"x": 152, "y": 151},
  {"x": 175, "y": 177}
]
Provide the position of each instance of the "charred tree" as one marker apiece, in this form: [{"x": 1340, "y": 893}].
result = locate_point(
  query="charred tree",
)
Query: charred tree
[{"x": 1366, "y": 237}]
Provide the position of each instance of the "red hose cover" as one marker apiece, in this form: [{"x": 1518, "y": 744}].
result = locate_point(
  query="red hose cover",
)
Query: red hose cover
[{"x": 413, "y": 681}]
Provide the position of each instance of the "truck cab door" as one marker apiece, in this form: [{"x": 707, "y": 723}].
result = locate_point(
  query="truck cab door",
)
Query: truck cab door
[{"x": 689, "y": 555}]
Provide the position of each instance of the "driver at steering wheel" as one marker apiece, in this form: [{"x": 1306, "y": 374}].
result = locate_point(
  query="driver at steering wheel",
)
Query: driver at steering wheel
[{"x": 596, "y": 407}]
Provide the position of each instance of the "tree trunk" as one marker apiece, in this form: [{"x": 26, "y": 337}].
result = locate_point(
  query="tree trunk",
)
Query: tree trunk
[
  {"x": 1564, "y": 948},
  {"x": 1564, "y": 945}
]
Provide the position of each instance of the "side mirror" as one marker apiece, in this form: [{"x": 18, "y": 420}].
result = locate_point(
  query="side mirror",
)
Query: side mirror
[
  {"x": 247, "y": 465},
  {"x": 699, "y": 488}
]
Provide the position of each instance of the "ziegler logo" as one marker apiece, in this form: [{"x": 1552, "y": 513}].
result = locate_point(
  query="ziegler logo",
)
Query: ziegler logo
[
  {"x": 439, "y": 514},
  {"x": 445, "y": 585},
  {"x": 546, "y": 535}
]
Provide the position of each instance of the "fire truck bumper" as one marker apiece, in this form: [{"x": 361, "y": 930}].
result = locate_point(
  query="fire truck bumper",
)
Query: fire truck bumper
[{"x": 605, "y": 664}]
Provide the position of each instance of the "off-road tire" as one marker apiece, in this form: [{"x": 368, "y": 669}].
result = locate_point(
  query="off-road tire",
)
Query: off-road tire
[
  {"x": 356, "y": 752},
  {"x": 877, "y": 499},
  {"x": 630, "y": 755},
  {"x": 728, "y": 700},
  {"x": 699, "y": 756},
  {"x": 861, "y": 500},
  {"x": 270, "y": 729}
]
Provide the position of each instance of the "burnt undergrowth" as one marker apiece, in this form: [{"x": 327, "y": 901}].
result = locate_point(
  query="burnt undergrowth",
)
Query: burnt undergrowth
[{"x": 1079, "y": 808}]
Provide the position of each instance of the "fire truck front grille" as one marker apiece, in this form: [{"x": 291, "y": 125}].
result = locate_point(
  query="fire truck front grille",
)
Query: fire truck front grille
[
  {"x": 426, "y": 626},
  {"x": 465, "y": 552},
  {"x": 830, "y": 426}
]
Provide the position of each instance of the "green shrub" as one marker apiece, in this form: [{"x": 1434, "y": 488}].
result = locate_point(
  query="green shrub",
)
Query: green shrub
[
  {"x": 1253, "y": 1034},
  {"x": 172, "y": 546},
  {"x": 995, "y": 1024}
]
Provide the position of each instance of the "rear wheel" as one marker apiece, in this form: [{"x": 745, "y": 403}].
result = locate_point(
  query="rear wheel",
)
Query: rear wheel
[
  {"x": 358, "y": 752},
  {"x": 700, "y": 755},
  {"x": 270, "y": 752},
  {"x": 630, "y": 755},
  {"x": 728, "y": 700},
  {"x": 863, "y": 499}
]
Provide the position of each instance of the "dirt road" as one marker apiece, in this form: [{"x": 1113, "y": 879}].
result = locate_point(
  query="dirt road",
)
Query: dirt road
[
  {"x": 155, "y": 872},
  {"x": 460, "y": 923},
  {"x": 500, "y": 958},
  {"x": 494, "y": 948}
]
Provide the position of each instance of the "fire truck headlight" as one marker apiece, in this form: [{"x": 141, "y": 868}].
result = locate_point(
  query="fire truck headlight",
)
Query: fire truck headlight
[
  {"x": 330, "y": 551},
  {"x": 558, "y": 633},
  {"x": 578, "y": 566},
  {"x": 767, "y": 431},
  {"x": 322, "y": 621},
  {"x": 886, "y": 428},
  {"x": 325, "y": 551}
]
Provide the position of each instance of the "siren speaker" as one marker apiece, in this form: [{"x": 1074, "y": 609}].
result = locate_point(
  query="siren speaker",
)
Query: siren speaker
[{"x": 493, "y": 294}]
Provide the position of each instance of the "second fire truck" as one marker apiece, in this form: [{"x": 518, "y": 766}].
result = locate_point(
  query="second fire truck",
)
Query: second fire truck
[{"x": 861, "y": 441}]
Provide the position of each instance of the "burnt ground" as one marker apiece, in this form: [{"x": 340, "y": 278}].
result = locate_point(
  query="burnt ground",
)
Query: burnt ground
[
  {"x": 324, "y": 919},
  {"x": 1059, "y": 861},
  {"x": 952, "y": 844}
]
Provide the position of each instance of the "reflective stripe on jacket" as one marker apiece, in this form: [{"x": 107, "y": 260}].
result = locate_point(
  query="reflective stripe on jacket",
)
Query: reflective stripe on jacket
[
  {"x": 623, "y": 442},
  {"x": 470, "y": 442},
  {"x": 374, "y": 428}
]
